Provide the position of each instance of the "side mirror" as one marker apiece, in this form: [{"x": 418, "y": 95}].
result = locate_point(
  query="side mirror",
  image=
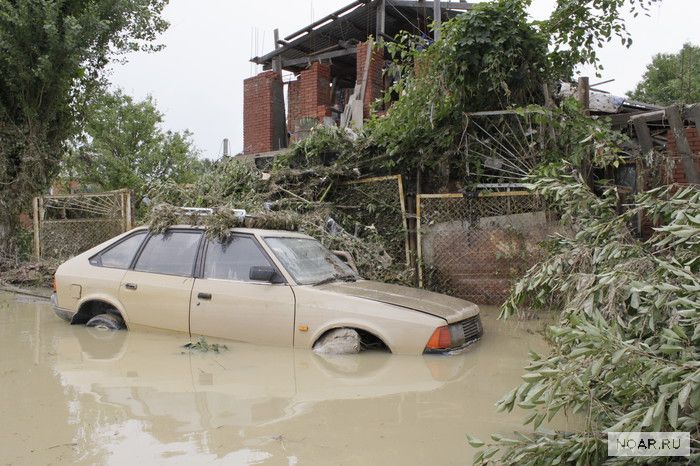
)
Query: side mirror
[{"x": 263, "y": 273}]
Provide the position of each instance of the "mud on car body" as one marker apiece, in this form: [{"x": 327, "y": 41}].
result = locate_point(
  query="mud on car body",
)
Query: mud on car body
[{"x": 267, "y": 287}]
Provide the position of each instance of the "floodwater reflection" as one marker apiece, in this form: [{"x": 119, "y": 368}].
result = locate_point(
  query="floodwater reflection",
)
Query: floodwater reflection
[{"x": 84, "y": 396}]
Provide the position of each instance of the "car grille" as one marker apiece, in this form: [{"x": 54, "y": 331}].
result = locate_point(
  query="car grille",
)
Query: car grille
[{"x": 472, "y": 328}]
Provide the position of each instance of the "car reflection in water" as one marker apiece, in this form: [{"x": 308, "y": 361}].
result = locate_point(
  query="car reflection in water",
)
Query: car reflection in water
[{"x": 157, "y": 381}]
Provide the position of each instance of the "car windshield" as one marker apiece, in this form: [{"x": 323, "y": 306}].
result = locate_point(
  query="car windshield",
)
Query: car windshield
[{"x": 309, "y": 262}]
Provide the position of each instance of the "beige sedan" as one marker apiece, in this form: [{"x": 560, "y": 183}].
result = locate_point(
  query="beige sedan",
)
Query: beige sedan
[{"x": 267, "y": 287}]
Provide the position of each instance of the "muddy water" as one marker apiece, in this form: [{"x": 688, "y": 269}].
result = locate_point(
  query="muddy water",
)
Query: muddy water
[{"x": 71, "y": 395}]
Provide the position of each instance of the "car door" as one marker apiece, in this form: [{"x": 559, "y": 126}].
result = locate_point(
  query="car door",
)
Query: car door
[
  {"x": 156, "y": 291},
  {"x": 226, "y": 303}
]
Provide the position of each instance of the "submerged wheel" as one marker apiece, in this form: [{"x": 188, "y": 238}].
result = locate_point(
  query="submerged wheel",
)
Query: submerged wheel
[{"x": 106, "y": 322}]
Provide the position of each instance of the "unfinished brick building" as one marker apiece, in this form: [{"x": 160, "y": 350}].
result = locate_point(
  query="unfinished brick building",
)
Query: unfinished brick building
[{"x": 334, "y": 70}]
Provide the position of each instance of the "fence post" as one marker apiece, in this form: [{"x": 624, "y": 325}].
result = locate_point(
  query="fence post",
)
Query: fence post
[
  {"x": 419, "y": 246},
  {"x": 129, "y": 222},
  {"x": 37, "y": 240},
  {"x": 402, "y": 201}
]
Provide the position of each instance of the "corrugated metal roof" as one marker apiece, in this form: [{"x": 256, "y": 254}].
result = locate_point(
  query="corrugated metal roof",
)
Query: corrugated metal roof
[{"x": 355, "y": 23}]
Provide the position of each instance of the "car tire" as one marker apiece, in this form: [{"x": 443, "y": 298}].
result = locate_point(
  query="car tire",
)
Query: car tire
[
  {"x": 339, "y": 341},
  {"x": 106, "y": 322}
]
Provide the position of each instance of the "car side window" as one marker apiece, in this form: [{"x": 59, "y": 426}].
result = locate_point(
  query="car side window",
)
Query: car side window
[
  {"x": 120, "y": 255},
  {"x": 172, "y": 253},
  {"x": 233, "y": 258}
]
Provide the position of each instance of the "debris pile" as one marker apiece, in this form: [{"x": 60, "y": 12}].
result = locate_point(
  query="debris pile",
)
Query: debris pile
[
  {"x": 26, "y": 273},
  {"x": 298, "y": 194}
]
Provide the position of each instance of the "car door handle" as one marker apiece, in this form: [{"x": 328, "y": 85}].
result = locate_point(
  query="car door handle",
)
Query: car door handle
[
  {"x": 130, "y": 286},
  {"x": 206, "y": 296}
]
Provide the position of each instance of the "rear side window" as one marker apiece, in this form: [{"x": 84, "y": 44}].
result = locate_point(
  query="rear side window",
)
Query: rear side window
[
  {"x": 232, "y": 259},
  {"x": 120, "y": 255},
  {"x": 172, "y": 253}
]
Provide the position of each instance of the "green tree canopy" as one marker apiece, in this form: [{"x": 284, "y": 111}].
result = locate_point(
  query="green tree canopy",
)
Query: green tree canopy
[
  {"x": 52, "y": 54},
  {"x": 123, "y": 146},
  {"x": 671, "y": 78}
]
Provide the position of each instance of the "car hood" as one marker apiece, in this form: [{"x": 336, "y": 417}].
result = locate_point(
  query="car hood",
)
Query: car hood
[{"x": 436, "y": 304}]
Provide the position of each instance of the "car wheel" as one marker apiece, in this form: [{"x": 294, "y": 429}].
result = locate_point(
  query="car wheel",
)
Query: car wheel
[
  {"x": 339, "y": 341},
  {"x": 106, "y": 322}
]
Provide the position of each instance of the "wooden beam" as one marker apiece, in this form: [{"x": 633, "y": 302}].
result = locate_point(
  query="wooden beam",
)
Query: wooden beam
[
  {"x": 445, "y": 6},
  {"x": 437, "y": 19},
  {"x": 129, "y": 211},
  {"x": 277, "y": 61},
  {"x": 675, "y": 120},
  {"x": 319, "y": 57},
  {"x": 310, "y": 31},
  {"x": 37, "y": 237},
  {"x": 325, "y": 19},
  {"x": 649, "y": 116},
  {"x": 381, "y": 17},
  {"x": 643, "y": 136},
  {"x": 583, "y": 94}
]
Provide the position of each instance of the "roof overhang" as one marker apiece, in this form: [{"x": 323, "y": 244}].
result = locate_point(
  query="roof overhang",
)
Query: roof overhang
[{"x": 335, "y": 36}]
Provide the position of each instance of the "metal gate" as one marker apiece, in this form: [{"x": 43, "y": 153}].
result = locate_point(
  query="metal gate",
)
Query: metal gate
[
  {"x": 475, "y": 246},
  {"x": 66, "y": 225}
]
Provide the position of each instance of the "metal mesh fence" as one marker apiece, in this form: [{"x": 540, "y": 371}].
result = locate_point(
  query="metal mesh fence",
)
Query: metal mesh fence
[
  {"x": 377, "y": 205},
  {"x": 476, "y": 247},
  {"x": 68, "y": 225}
]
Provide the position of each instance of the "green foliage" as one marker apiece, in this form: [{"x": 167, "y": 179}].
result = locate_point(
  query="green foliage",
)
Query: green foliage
[
  {"x": 578, "y": 28},
  {"x": 123, "y": 146},
  {"x": 303, "y": 178},
  {"x": 671, "y": 78},
  {"x": 322, "y": 146},
  {"x": 202, "y": 345},
  {"x": 488, "y": 58},
  {"x": 302, "y": 193},
  {"x": 582, "y": 138},
  {"x": 626, "y": 348},
  {"x": 52, "y": 54},
  {"x": 228, "y": 182}
]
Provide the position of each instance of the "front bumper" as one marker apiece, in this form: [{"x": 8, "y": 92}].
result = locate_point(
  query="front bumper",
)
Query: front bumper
[{"x": 64, "y": 314}]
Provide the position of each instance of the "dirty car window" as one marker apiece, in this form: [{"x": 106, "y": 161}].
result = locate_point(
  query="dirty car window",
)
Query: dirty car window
[
  {"x": 308, "y": 261},
  {"x": 120, "y": 255},
  {"x": 232, "y": 259},
  {"x": 170, "y": 254}
]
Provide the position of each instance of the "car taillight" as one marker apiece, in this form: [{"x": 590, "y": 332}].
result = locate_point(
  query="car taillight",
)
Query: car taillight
[{"x": 440, "y": 339}]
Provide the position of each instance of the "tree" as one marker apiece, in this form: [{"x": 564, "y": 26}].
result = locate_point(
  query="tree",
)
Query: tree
[
  {"x": 490, "y": 57},
  {"x": 52, "y": 55},
  {"x": 123, "y": 146},
  {"x": 671, "y": 78}
]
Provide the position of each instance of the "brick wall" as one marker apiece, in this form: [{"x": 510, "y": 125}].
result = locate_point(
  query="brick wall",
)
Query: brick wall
[
  {"x": 375, "y": 85},
  {"x": 315, "y": 91},
  {"x": 309, "y": 97},
  {"x": 258, "y": 113},
  {"x": 675, "y": 172}
]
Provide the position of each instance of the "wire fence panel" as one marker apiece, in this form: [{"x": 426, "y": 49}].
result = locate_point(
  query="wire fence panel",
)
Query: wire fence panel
[
  {"x": 376, "y": 204},
  {"x": 476, "y": 247},
  {"x": 67, "y": 225}
]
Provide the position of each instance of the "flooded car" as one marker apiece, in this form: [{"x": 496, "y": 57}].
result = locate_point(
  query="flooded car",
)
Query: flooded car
[{"x": 268, "y": 287}]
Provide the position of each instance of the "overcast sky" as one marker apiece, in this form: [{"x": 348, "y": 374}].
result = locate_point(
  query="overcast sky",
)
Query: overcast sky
[{"x": 197, "y": 80}]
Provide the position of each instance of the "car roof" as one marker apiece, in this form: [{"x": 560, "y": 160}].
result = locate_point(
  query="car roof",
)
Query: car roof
[{"x": 250, "y": 231}]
